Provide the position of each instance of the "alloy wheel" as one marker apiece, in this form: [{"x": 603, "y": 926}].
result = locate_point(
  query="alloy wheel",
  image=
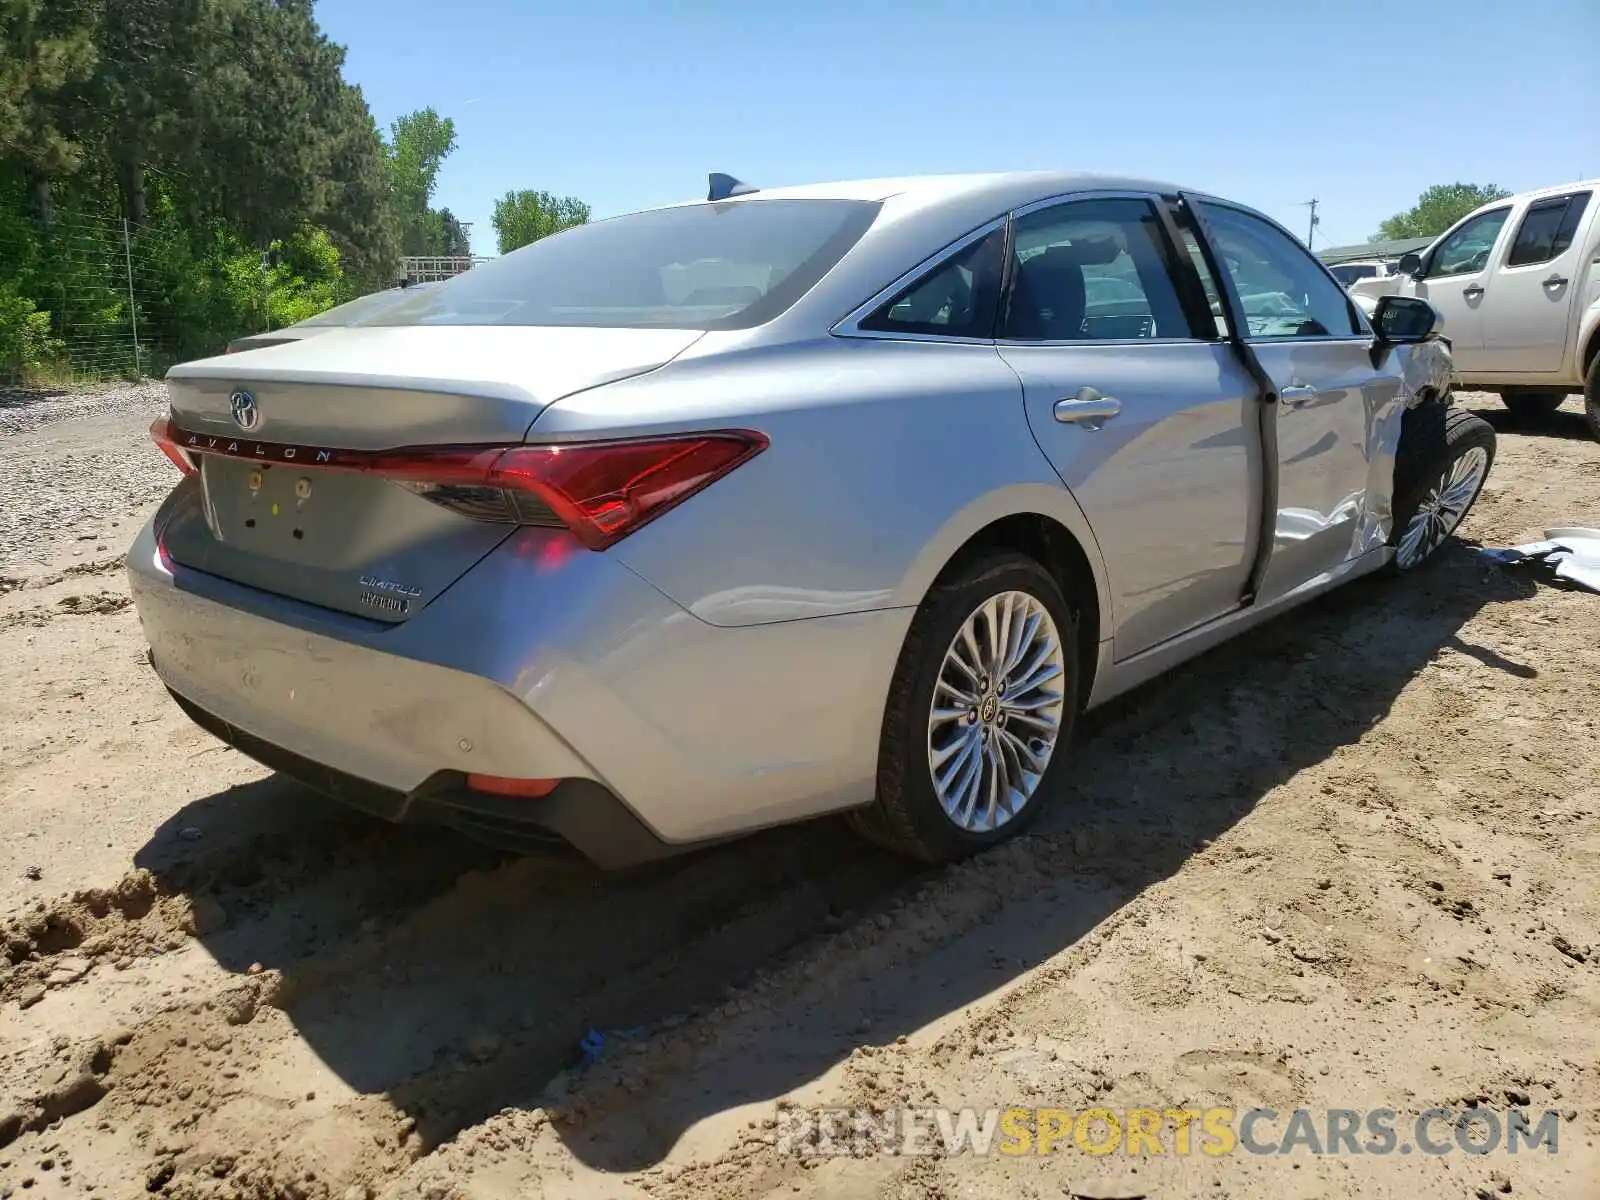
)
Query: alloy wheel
[
  {"x": 997, "y": 711},
  {"x": 1442, "y": 507}
]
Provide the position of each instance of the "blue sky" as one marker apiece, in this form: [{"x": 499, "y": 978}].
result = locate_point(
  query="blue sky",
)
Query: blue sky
[{"x": 627, "y": 104}]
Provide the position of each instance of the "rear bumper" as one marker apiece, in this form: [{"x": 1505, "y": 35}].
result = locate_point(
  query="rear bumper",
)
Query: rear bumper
[
  {"x": 544, "y": 662},
  {"x": 579, "y": 814}
]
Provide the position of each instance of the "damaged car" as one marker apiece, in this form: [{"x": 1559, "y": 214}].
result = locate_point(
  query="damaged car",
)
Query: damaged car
[{"x": 846, "y": 498}]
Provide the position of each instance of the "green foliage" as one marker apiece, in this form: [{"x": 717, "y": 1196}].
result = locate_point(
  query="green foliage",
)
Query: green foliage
[
  {"x": 521, "y": 217},
  {"x": 45, "y": 50},
  {"x": 256, "y": 184},
  {"x": 1438, "y": 208},
  {"x": 26, "y": 346}
]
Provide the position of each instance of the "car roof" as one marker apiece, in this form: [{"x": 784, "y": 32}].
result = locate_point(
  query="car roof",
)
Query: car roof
[
  {"x": 919, "y": 190},
  {"x": 1556, "y": 189}
]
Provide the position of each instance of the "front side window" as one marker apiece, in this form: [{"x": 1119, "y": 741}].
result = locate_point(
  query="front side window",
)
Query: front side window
[
  {"x": 1467, "y": 249},
  {"x": 957, "y": 298},
  {"x": 1282, "y": 289},
  {"x": 1093, "y": 270},
  {"x": 1547, "y": 230},
  {"x": 730, "y": 265}
]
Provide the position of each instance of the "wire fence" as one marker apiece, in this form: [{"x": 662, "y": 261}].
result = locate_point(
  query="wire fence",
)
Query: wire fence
[{"x": 95, "y": 277}]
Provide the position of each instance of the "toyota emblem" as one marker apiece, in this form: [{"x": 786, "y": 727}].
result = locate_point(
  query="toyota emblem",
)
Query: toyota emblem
[{"x": 245, "y": 413}]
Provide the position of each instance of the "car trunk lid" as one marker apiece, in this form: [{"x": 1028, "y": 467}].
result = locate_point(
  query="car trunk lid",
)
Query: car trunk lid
[{"x": 274, "y": 434}]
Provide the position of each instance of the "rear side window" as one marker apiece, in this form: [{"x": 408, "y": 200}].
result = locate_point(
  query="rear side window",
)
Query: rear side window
[
  {"x": 1547, "y": 229},
  {"x": 957, "y": 298},
  {"x": 730, "y": 265},
  {"x": 1093, "y": 270}
]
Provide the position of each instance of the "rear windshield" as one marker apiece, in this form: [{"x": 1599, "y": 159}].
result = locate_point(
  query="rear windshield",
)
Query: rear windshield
[
  {"x": 360, "y": 309},
  {"x": 732, "y": 265}
]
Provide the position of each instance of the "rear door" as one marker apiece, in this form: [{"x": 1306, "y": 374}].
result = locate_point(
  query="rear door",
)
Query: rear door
[
  {"x": 1526, "y": 309},
  {"x": 1145, "y": 414},
  {"x": 1453, "y": 281},
  {"x": 1315, "y": 347}
]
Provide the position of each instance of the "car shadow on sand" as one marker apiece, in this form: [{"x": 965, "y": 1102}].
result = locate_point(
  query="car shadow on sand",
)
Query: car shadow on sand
[
  {"x": 458, "y": 981},
  {"x": 1566, "y": 422}
]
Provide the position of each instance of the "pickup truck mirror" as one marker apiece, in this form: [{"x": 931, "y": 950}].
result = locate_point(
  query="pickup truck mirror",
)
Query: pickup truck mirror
[
  {"x": 1403, "y": 320},
  {"x": 1410, "y": 264}
]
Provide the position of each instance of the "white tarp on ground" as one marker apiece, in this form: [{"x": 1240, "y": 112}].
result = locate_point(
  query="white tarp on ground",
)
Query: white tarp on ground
[{"x": 1574, "y": 553}]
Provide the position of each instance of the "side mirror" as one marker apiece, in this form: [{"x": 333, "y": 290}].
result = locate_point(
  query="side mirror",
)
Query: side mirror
[
  {"x": 1404, "y": 320},
  {"x": 1410, "y": 264}
]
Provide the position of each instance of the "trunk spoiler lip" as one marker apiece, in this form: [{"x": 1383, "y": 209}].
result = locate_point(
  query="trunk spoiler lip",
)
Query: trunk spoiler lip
[{"x": 228, "y": 371}]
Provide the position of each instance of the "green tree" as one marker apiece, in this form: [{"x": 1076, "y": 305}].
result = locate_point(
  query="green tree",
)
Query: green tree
[
  {"x": 45, "y": 49},
  {"x": 419, "y": 142},
  {"x": 456, "y": 244},
  {"x": 526, "y": 216},
  {"x": 46, "y": 52},
  {"x": 1438, "y": 208}
]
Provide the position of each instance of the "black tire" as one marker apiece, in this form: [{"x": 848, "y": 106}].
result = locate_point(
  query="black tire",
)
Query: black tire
[
  {"x": 906, "y": 816},
  {"x": 1434, "y": 437},
  {"x": 1591, "y": 398},
  {"x": 1529, "y": 405}
]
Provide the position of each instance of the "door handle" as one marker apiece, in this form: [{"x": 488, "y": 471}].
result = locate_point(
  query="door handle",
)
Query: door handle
[
  {"x": 1297, "y": 396},
  {"x": 1556, "y": 281},
  {"x": 1473, "y": 292},
  {"x": 1088, "y": 408}
]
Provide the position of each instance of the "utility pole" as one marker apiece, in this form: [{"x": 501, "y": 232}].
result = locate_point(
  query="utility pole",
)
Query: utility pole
[{"x": 1311, "y": 229}]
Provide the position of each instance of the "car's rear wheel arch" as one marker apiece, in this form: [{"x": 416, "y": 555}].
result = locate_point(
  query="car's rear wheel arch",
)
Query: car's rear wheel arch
[{"x": 1054, "y": 547}]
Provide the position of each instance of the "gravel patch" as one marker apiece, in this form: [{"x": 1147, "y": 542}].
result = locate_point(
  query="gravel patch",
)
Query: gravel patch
[
  {"x": 73, "y": 464},
  {"x": 23, "y": 410}
]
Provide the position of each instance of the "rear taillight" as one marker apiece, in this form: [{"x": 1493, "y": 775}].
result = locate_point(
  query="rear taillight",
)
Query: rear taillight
[
  {"x": 601, "y": 491},
  {"x": 165, "y": 434}
]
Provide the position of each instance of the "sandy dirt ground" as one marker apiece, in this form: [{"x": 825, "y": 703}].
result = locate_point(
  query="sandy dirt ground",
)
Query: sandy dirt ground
[{"x": 1350, "y": 861}]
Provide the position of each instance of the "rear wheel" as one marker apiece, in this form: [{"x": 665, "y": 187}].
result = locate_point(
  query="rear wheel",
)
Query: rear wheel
[
  {"x": 1530, "y": 404},
  {"x": 980, "y": 712},
  {"x": 1443, "y": 459}
]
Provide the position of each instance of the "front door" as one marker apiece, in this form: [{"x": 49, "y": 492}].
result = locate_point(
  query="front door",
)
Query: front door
[
  {"x": 1316, "y": 349},
  {"x": 1143, "y": 412},
  {"x": 1453, "y": 279},
  {"x": 1526, "y": 308}
]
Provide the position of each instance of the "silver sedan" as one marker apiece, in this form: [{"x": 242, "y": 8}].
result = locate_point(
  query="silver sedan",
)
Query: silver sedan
[{"x": 842, "y": 498}]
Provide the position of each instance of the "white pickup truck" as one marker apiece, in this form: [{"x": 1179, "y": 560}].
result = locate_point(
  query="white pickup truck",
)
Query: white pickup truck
[{"x": 1518, "y": 283}]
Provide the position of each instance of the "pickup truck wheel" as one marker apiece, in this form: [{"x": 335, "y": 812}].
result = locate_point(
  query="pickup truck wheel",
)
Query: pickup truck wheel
[
  {"x": 1439, "y": 469},
  {"x": 1532, "y": 404},
  {"x": 980, "y": 713},
  {"x": 1591, "y": 398}
]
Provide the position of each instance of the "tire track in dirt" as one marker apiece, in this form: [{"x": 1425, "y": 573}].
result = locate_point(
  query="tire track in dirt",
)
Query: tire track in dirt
[{"x": 490, "y": 1019}]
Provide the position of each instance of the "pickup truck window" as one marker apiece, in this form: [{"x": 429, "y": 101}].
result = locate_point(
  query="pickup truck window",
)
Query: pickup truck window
[
  {"x": 1547, "y": 229},
  {"x": 1467, "y": 249}
]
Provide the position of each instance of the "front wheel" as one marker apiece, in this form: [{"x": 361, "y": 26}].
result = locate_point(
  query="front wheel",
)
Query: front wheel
[
  {"x": 980, "y": 712},
  {"x": 1528, "y": 405},
  {"x": 1440, "y": 467}
]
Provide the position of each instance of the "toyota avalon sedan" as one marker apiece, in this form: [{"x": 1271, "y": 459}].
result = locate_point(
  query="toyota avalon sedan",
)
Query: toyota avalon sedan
[{"x": 832, "y": 499}]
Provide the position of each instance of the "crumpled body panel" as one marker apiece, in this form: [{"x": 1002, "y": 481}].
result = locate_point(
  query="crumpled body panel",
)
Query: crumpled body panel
[{"x": 1425, "y": 370}]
